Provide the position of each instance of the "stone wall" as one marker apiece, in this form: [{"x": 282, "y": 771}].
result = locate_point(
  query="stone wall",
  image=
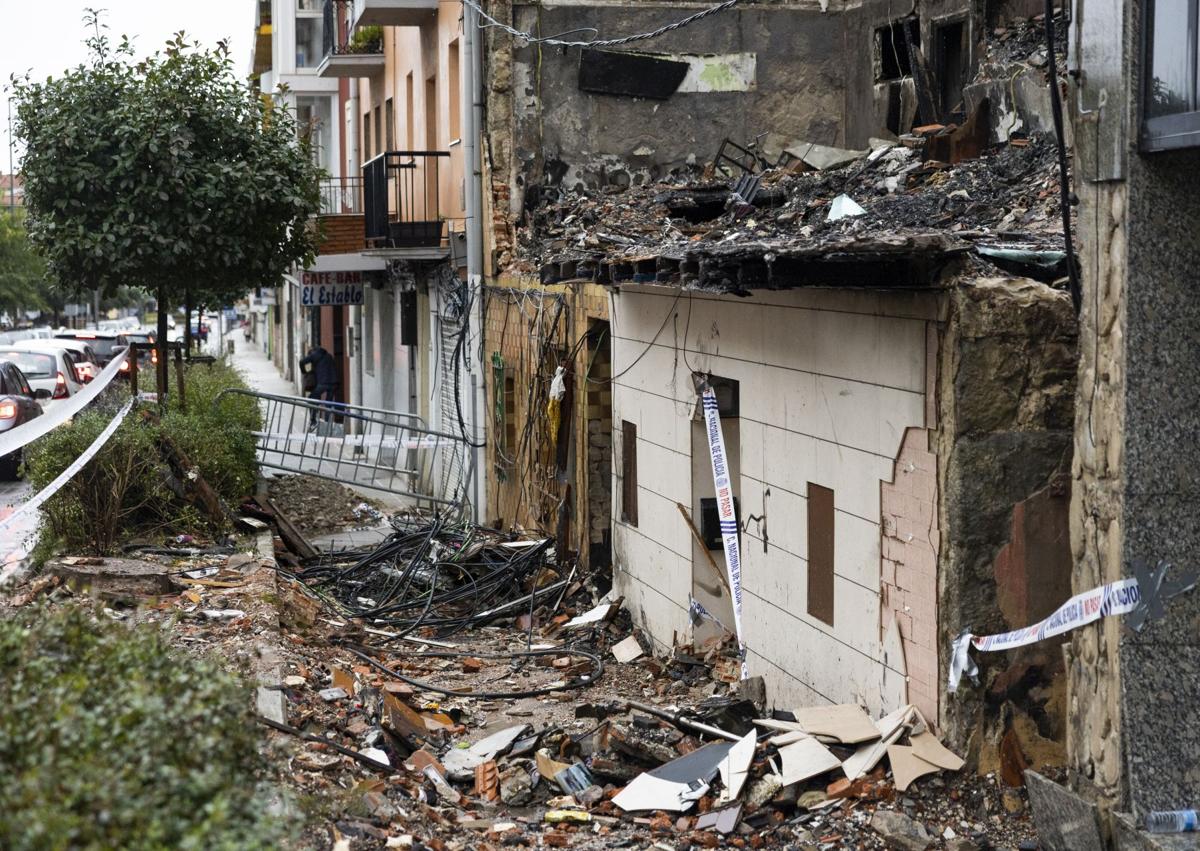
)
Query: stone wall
[{"x": 1006, "y": 401}]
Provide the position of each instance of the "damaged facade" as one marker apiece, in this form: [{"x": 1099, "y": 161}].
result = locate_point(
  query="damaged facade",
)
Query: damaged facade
[{"x": 896, "y": 389}]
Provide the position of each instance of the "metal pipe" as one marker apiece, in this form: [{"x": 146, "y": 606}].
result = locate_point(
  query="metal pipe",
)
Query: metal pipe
[
  {"x": 680, "y": 721},
  {"x": 472, "y": 122}
]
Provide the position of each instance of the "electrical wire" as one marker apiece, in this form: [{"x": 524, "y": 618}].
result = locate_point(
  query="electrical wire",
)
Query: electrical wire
[
  {"x": 1064, "y": 177},
  {"x": 530, "y": 38}
]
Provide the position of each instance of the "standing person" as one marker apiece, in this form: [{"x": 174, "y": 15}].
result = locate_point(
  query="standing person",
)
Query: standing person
[{"x": 321, "y": 365}]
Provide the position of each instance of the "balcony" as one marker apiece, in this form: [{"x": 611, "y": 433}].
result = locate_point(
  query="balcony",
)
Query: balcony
[
  {"x": 350, "y": 51},
  {"x": 394, "y": 13},
  {"x": 401, "y": 204},
  {"x": 342, "y": 196}
]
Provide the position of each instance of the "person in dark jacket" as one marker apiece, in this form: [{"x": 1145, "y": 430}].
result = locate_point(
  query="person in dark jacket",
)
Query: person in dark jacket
[{"x": 322, "y": 366}]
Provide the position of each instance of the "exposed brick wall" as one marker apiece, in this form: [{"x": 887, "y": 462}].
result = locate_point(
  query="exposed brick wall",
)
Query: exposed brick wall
[
  {"x": 342, "y": 235},
  {"x": 908, "y": 582},
  {"x": 527, "y": 328}
]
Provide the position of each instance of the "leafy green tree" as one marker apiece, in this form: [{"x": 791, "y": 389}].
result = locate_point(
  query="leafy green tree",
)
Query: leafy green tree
[
  {"x": 22, "y": 272},
  {"x": 165, "y": 174}
]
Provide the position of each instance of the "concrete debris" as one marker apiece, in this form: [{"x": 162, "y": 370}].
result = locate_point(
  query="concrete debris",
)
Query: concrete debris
[{"x": 900, "y": 832}]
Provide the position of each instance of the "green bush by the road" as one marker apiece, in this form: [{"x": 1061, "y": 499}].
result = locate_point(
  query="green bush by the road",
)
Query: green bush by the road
[
  {"x": 123, "y": 491},
  {"x": 108, "y": 739}
]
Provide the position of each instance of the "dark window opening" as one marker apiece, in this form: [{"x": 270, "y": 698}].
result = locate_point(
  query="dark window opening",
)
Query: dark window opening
[
  {"x": 629, "y": 486},
  {"x": 728, "y": 394},
  {"x": 892, "y": 49},
  {"x": 951, "y": 65},
  {"x": 710, "y": 522},
  {"x": 820, "y": 553}
]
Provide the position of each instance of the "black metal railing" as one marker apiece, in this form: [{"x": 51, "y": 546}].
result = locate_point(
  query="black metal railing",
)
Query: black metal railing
[
  {"x": 341, "y": 196},
  {"x": 401, "y": 199},
  {"x": 341, "y": 38}
]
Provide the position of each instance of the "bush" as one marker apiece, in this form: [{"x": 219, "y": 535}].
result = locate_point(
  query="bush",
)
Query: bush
[
  {"x": 110, "y": 740},
  {"x": 124, "y": 490}
]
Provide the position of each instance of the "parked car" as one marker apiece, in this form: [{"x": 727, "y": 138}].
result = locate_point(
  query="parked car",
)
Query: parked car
[
  {"x": 50, "y": 370},
  {"x": 105, "y": 345},
  {"x": 19, "y": 403},
  {"x": 82, "y": 356}
]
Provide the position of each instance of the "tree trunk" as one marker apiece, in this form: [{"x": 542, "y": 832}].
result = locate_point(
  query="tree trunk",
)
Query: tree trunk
[
  {"x": 187, "y": 323},
  {"x": 160, "y": 344}
]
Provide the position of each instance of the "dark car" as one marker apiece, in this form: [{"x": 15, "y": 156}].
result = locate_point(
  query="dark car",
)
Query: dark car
[
  {"x": 106, "y": 346},
  {"x": 18, "y": 405}
]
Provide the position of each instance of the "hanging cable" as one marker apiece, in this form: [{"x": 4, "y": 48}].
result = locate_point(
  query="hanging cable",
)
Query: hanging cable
[
  {"x": 530, "y": 38},
  {"x": 1064, "y": 177}
]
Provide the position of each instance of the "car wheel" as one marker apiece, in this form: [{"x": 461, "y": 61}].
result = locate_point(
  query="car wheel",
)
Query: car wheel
[{"x": 10, "y": 467}]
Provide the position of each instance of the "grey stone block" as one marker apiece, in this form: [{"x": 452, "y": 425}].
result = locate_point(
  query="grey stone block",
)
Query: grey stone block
[{"x": 1064, "y": 821}]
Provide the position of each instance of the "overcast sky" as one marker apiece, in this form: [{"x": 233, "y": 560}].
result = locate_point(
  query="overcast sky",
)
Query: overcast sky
[{"x": 46, "y": 36}]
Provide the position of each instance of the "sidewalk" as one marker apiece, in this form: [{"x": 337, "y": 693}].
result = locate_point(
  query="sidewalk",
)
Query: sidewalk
[{"x": 259, "y": 371}]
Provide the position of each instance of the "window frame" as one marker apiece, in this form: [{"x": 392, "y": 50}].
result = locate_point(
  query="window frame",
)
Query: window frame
[{"x": 1181, "y": 129}]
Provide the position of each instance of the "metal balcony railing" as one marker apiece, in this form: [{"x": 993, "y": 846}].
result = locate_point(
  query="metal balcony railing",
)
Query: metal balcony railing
[
  {"x": 342, "y": 38},
  {"x": 341, "y": 196},
  {"x": 401, "y": 199}
]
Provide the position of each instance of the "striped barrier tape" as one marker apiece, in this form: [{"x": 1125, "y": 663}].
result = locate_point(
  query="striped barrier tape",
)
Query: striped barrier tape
[
  {"x": 1141, "y": 597},
  {"x": 725, "y": 512},
  {"x": 35, "y": 501},
  {"x": 23, "y": 435}
]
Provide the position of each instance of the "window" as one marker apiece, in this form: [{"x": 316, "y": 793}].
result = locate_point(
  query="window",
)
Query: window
[
  {"x": 366, "y": 135},
  {"x": 367, "y": 314},
  {"x": 951, "y": 68},
  {"x": 314, "y": 121},
  {"x": 892, "y": 59},
  {"x": 409, "y": 130},
  {"x": 820, "y": 553},
  {"x": 629, "y": 485},
  {"x": 390, "y": 116},
  {"x": 378, "y": 132},
  {"x": 1170, "y": 106},
  {"x": 455, "y": 94},
  {"x": 309, "y": 34}
]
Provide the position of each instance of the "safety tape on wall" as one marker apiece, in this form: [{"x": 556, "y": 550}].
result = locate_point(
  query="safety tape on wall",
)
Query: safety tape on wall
[
  {"x": 35, "y": 501},
  {"x": 1142, "y": 597},
  {"x": 725, "y": 513},
  {"x": 23, "y": 435}
]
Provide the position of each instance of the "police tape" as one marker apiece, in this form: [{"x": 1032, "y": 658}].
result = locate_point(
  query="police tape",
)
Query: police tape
[
  {"x": 23, "y": 435},
  {"x": 1142, "y": 596},
  {"x": 725, "y": 513},
  {"x": 35, "y": 501}
]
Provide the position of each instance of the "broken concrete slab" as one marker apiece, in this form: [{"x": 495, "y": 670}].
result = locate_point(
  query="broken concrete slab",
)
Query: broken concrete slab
[
  {"x": 627, "y": 650},
  {"x": 735, "y": 767},
  {"x": 1064, "y": 820},
  {"x": 907, "y": 766},
  {"x": 822, "y": 157},
  {"x": 847, "y": 723},
  {"x": 116, "y": 577},
  {"x": 806, "y": 758}
]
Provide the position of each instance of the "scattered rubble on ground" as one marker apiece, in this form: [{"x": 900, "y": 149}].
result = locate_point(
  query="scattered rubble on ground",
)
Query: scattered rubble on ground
[
  {"x": 317, "y": 506},
  {"x": 457, "y": 688}
]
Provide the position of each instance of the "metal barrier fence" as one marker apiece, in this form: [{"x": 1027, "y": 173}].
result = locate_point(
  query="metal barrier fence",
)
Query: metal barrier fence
[{"x": 368, "y": 447}]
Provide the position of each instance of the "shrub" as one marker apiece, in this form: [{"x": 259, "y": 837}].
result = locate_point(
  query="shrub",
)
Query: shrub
[
  {"x": 110, "y": 740},
  {"x": 124, "y": 490}
]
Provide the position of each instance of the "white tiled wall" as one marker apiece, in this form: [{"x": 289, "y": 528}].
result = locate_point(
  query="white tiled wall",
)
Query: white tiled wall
[{"x": 829, "y": 381}]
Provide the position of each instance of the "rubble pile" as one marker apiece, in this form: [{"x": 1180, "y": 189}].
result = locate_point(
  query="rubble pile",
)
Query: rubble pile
[
  {"x": 318, "y": 506},
  {"x": 1008, "y": 194},
  {"x": 455, "y": 688}
]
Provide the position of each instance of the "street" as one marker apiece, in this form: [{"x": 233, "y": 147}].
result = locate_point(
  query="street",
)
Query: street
[{"x": 16, "y": 542}]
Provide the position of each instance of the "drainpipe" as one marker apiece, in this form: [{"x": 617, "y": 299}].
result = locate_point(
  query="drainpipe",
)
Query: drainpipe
[
  {"x": 472, "y": 122},
  {"x": 354, "y": 175}
]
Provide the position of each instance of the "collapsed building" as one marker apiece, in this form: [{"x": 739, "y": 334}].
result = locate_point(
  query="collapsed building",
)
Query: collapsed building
[{"x": 872, "y": 287}]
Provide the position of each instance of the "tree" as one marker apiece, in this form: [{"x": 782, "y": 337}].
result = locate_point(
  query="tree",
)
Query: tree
[
  {"x": 22, "y": 272},
  {"x": 167, "y": 174}
]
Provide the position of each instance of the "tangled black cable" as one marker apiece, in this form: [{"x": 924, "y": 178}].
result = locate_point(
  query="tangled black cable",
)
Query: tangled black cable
[{"x": 437, "y": 575}]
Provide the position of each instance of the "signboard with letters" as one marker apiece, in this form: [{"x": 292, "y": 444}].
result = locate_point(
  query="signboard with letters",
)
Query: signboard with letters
[{"x": 331, "y": 289}]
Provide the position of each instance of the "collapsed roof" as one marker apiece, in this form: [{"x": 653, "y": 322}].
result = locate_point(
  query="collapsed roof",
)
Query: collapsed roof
[{"x": 907, "y": 221}]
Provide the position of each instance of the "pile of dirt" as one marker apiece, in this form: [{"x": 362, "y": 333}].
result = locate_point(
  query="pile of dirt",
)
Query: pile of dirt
[{"x": 319, "y": 506}]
